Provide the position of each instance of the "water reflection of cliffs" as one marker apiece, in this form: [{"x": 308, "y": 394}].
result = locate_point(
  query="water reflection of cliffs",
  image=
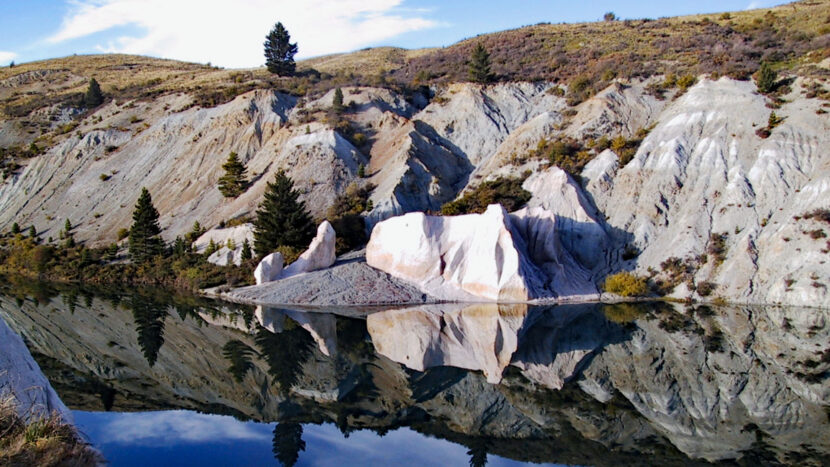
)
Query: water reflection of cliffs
[{"x": 659, "y": 381}]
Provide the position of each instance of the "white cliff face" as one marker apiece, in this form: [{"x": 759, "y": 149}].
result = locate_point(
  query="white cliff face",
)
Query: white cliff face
[
  {"x": 476, "y": 256},
  {"x": 319, "y": 255},
  {"x": 702, "y": 170},
  {"x": 21, "y": 378}
]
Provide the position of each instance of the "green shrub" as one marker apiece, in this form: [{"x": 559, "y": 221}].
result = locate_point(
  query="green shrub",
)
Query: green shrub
[
  {"x": 766, "y": 79},
  {"x": 626, "y": 284},
  {"x": 505, "y": 191}
]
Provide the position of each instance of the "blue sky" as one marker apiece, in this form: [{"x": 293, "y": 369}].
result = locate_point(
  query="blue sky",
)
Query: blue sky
[
  {"x": 230, "y": 33},
  {"x": 181, "y": 437}
]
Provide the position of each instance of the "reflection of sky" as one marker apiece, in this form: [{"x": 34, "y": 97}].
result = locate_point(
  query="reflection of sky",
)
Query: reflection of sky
[{"x": 188, "y": 438}]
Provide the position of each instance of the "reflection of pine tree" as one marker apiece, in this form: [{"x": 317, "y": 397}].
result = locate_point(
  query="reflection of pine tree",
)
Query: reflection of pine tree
[
  {"x": 478, "y": 452},
  {"x": 288, "y": 442},
  {"x": 149, "y": 324},
  {"x": 239, "y": 354},
  {"x": 284, "y": 352},
  {"x": 70, "y": 299}
]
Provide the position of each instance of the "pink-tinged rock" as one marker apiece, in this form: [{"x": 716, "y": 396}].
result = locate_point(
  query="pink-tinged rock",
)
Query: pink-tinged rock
[{"x": 471, "y": 257}]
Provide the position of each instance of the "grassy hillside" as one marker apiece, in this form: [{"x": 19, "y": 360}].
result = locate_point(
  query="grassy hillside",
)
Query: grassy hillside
[
  {"x": 727, "y": 44},
  {"x": 794, "y": 36}
]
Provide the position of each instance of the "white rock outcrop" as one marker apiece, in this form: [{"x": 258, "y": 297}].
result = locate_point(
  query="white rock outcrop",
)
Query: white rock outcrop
[
  {"x": 269, "y": 269},
  {"x": 319, "y": 255},
  {"x": 225, "y": 256},
  {"x": 237, "y": 235},
  {"x": 541, "y": 231},
  {"x": 470, "y": 257},
  {"x": 21, "y": 378}
]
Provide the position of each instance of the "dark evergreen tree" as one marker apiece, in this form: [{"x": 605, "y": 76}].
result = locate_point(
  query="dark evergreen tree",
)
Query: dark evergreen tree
[
  {"x": 279, "y": 51},
  {"x": 246, "y": 250},
  {"x": 233, "y": 183},
  {"x": 15, "y": 228},
  {"x": 767, "y": 78},
  {"x": 149, "y": 325},
  {"x": 32, "y": 232},
  {"x": 480, "y": 65},
  {"x": 195, "y": 232},
  {"x": 337, "y": 101},
  {"x": 288, "y": 442},
  {"x": 93, "y": 97},
  {"x": 145, "y": 239},
  {"x": 67, "y": 227},
  {"x": 239, "y": 355},
  {"x": 281, "y": 219},
  {"x": 179, "y": 247}
]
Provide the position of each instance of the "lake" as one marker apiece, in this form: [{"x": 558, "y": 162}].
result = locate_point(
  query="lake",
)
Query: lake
[{"x": 159, "y": 379}]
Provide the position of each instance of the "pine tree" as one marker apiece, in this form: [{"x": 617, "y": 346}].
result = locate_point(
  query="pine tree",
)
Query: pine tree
[
  {"x": 282, "y": 218},
  {"x": 337, "y": 101},
  {"x": 480, "y": 65},
  {"x": 246, "y": 250},
  {"x": 767, "y": 78},
  {"x": 279, "y": 51},
  {"x": 67, "y": 226},
  {"x": 287, "y": 443},
  {"x": 15, "y": 229},
  {"x": 145, "y": 239},
  {"x": 32, "y": 232},
  {"x": 361, "y": 170},
  {"x": 93, "y": 97},
  {"x": 233, "y": 183},
  {"x": 149, "y": 325}
]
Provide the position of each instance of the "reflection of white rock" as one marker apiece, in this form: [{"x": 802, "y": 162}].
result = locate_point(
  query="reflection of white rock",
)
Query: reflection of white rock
[
  {"x": 469, "y": 257},
  {"x": 269, "y": 269},
  {"x": 321, "y": 326},
  {"x": 476, "y": 337},
  {"x": 319, "y": 255},
  {"x": 20, "y": 376}
]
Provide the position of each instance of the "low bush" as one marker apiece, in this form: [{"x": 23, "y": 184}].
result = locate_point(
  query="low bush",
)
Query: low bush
[
  {"x": 717, "y": 247},
  {"x": 42, "y": 440},
  {"x": 626, "y": 284}
]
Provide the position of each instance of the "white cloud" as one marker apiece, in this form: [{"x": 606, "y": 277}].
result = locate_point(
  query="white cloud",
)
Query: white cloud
[
  {"x": 231, "y": 34},
  {"x": 6, "y": 57},
  {"x": 172, "y": 427}
]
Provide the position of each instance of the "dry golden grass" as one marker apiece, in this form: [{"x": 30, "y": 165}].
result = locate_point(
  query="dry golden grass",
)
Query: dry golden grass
[
  {"x": 41, "y": 441},
  {"x": 366, "y": 62}
]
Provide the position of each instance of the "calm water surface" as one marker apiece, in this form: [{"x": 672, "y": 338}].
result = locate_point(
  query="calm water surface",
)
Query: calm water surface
[{"x": 155, "y": 379}]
